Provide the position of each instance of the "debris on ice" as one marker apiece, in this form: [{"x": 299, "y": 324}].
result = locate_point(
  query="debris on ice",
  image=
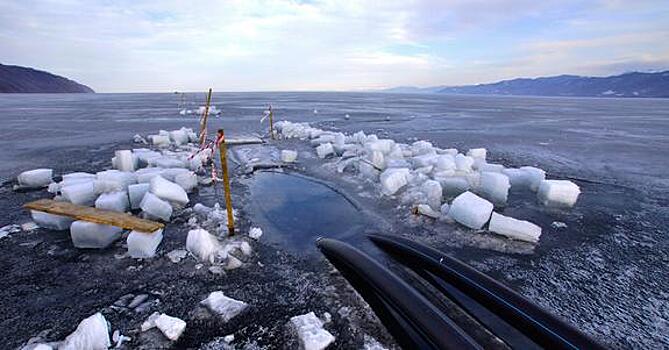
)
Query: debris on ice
[
  {"x": 514, "y": 228},
  {"x": 227, "y": 308},
  {"x": 310, "y": 332},
  {"x": 470, "y": 210}
]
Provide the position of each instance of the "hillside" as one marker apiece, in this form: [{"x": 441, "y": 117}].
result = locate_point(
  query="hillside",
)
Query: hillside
[{"x": 15, "y": 79}]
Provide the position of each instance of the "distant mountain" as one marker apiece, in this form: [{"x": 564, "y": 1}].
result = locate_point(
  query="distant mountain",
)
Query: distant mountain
[
  {"x": 22, "y": 79},
  {"x": 625, "y": 85},
  {"x": 413, "y": 89}
]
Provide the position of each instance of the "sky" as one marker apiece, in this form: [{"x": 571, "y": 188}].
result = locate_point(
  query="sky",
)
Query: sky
[{"x": 248, "y": 45}]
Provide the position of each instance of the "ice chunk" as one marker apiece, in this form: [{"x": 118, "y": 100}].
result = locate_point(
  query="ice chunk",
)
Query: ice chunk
[
  {"x": 122, "y": 179},
  {"x": 324, "y": 150},
  {"x": 156, "y": 207},
  {"x": 464, "y": 163},
  {"x": 444, "y": 162},
  {"x": 91, "y": 334},
  {"x": 35, "y": 178},
  {"x": 288, "y": 156},
  {"x": 171, "y": 327},
  {"x": 433, "y": 192},
  {"x": 310, "y": 332},
  {"x": 160, "y": 140},
  {"x": 453, "y": 186},
  {"x": 91, "y": 235},
  {"x": 393, "y": 179},
  {"x": 495, "y": 168},
  {"x": 116, "y": 201},
  {"x": 203, "y": 245},
  {"x": 477, "y": 153},
  {"x": 558, "y": 193},
  {"x": 227, "y": 308},
  {"x": 444, "y": 209},
  {"x": 426, "y": 210},
  {"x": 422, "y": 147},
  {"x": 187, "y": 181},
  {"x": 514, "y": 228},
  {"x": 494, "y": 187},
  {"x": 136, "y": 193},
  {"x": 376, "y": 159},
  {"x": 168, "y": 191},
  {"x": 80, "y": 193},
  {"x": 255, "y": 233},
  {"x": 145, "y": 175},
  {"x": 534, "y": 176},
  {"x": 51, "y": 221},
  {"x": 470, "y": 210},
  {"x": 384, "y": 146},
  {"x": 179, "y": 137},
  {"x": 170, "y": 174},
  {"x": 424, "y": 160},
  {"x": 144, "y": 244},
  {"x": 150, "y": 322},
  {"x": 124, "y": 160}
]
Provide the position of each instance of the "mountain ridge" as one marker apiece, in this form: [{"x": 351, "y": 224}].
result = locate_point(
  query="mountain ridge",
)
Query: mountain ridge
[{"x": 18, "y": 79}]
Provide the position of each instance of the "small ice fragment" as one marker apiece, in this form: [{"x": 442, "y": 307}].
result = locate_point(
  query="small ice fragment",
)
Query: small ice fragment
[
  {"x": 426, "y": 210},
  {"x": 227, "y": 308},
  {"x": 150, "y": 322},
  {"x": 514, "y": 228},
  {"x": 29, "y": 226},
  {"x": 136, "y": 193},
  {"x": 444, "y": 209},
  {"x": 393, "y": 179},
  {"x": 470, "y": 210},
  {"x": 310, "y": 332},
  {"x": 91, "y": 235},
  {"x": 139, "y": 139},
  {"x": 51, "y": 221},
  {"x": 433, "y": 192},
  {"x": 168, "y": 191},
  {"x": 324, "y": 150},
  {"x": 176, "y": 255},
  {"x": 255, "y": 233},
  {"x": 558, "y": 224},
  {"x": 92, "y": 334},
  {"x": 115, "y": 201},
  {"x": 203, "y": 245},
  {"x": 171, "y": 327},
  {"x": 229, "y": 338},
  {"x": 558, "y": 193},
  {"x": 143, "y": 244},
  {"x": 35, "y": 178},
  {"x": 156, "y": 207},
  {"x": 288, "y": 156}
]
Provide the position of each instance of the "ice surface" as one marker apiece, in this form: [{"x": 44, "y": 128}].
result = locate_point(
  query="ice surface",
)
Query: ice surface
[
  {"x": 494, "y": 187},
  {"x": 168, "y": 191},
  {"x": 171, "y": 327},
  {"x": 143, "y": 244},
  {"x": 51, "y": 221},
  {"x": 534, "y": 177},
  {"x": 393, "y": 179},
  {"x": 155, "y": 207},
  {"x": 124, "y": 160},
  {"x": 91, "y": 235},
  {"x": 470, "y": 210},
  {"x": 91, "y": 334},
  {"x": 558, "y": 193},
  {"x": 187, "y": 181},
  {"x": 80, "y": 193},
  {"x": 227, "y": 308},
  {"x": 255, "y": 233},
  {"x": 136, "y": 193},
  {"x": 324, "y": 150},
  {"x": 514, "y": 228},
  {"x": 310, "y": 332},
  {"x": 116, "y": 201},
  {"x": 288, "y": 156},
  {"x": 203, "y": 245},
  {"x": 35, "y": 178}
]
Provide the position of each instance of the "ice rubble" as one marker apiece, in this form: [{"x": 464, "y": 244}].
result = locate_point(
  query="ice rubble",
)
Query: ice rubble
[
  {"x": 427, "y": 176},
  {"x": 227, "y": 308},
  {"x": 310, "y": 332}
]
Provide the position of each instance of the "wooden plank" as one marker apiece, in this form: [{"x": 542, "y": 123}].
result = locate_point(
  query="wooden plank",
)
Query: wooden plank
[{"x": 98, "y": 216}]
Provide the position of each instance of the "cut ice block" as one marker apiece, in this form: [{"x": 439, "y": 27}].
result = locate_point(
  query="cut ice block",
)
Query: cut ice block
[
  {"x": 155, "y": 207},
  {"x": 179, "y": 137},
  {"x": 424, "y": 160},
  {"x": 145, "y": 175},
  {"x": 534, "y": 177},
  {"x": 92, "y": 334},
  {"x": 122, "y": 178},
  {"x": 168, "y": 191},
  {"x": 310, "y": 332},
  {"x": 116, "y": 201},
  {"x": 558, "y": 193},
  {"x": 495, "y": 168},
  {"x": 393, "y": 179},
  {"x": 142, "y": 244},
  {"x": 464, "y": 163},
  {"x": 453, "y": 186},
  {"x": 470, "y": 210},
  {"x": 324, "y": 150},
  {"x": 160, "y": 140},
  {"x": 227, "y": 308},
  {"x": 80, "y": 193},
  {"x": 35, "y": 178},
  {"x": 171, "y": 327},
  {"x": 288, "y": 156},
  {"x": 514, "y": 228},
  {"x": 91, "y": 235},
  {"x": 124, "y": 160},
  {"x": 477, "y": 153},
  {"x": 494, "y": 187},
  {"x": 433, "y": 192},
  {"x": 384, "y": 146},
  {"x": 51, "y": 221},
  {"x": 187, "y": 181},
  {"x": 203, "y": 245},
  {"x": 170, "y": 174},
  {"x": 136, "y": 193},
  {"x": 444, "y": 162}
]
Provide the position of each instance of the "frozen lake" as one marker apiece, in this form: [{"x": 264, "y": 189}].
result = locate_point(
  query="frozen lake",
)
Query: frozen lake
[{"x": 606, "y": 272}]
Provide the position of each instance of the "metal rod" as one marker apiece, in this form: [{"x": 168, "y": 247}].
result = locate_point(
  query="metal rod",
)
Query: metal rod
[
  {"x": 226, "y": 180},
  {"x": 203, "y": 122}
]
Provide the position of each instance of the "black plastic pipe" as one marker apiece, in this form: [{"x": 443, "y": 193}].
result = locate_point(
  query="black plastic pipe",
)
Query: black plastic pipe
[
  {"x": 412, "y": 320},
  {"x": 537, "y": 324}
]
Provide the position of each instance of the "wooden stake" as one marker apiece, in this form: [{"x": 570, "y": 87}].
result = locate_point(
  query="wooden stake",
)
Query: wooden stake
[
  {"x": 271, "y": 122},
  {"x": 226, "y": 180},
  {"x": 203, "y": 122}
]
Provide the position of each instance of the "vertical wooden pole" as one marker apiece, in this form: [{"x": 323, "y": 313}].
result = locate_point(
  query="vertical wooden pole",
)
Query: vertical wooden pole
[
  {"x": 271, "y": 122},
  {"x": 203, "y": 122},
  {"x": 226, "y": 180}
]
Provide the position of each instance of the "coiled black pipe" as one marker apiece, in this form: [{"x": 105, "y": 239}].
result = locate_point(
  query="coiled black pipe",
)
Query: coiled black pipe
[
  {"x": 413, "y": 321},
  {"x": 545, "y": 329}
]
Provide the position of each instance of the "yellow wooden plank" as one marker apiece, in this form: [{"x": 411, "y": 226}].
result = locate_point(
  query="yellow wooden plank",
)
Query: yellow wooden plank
[{"x": 98, "y": 216}]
